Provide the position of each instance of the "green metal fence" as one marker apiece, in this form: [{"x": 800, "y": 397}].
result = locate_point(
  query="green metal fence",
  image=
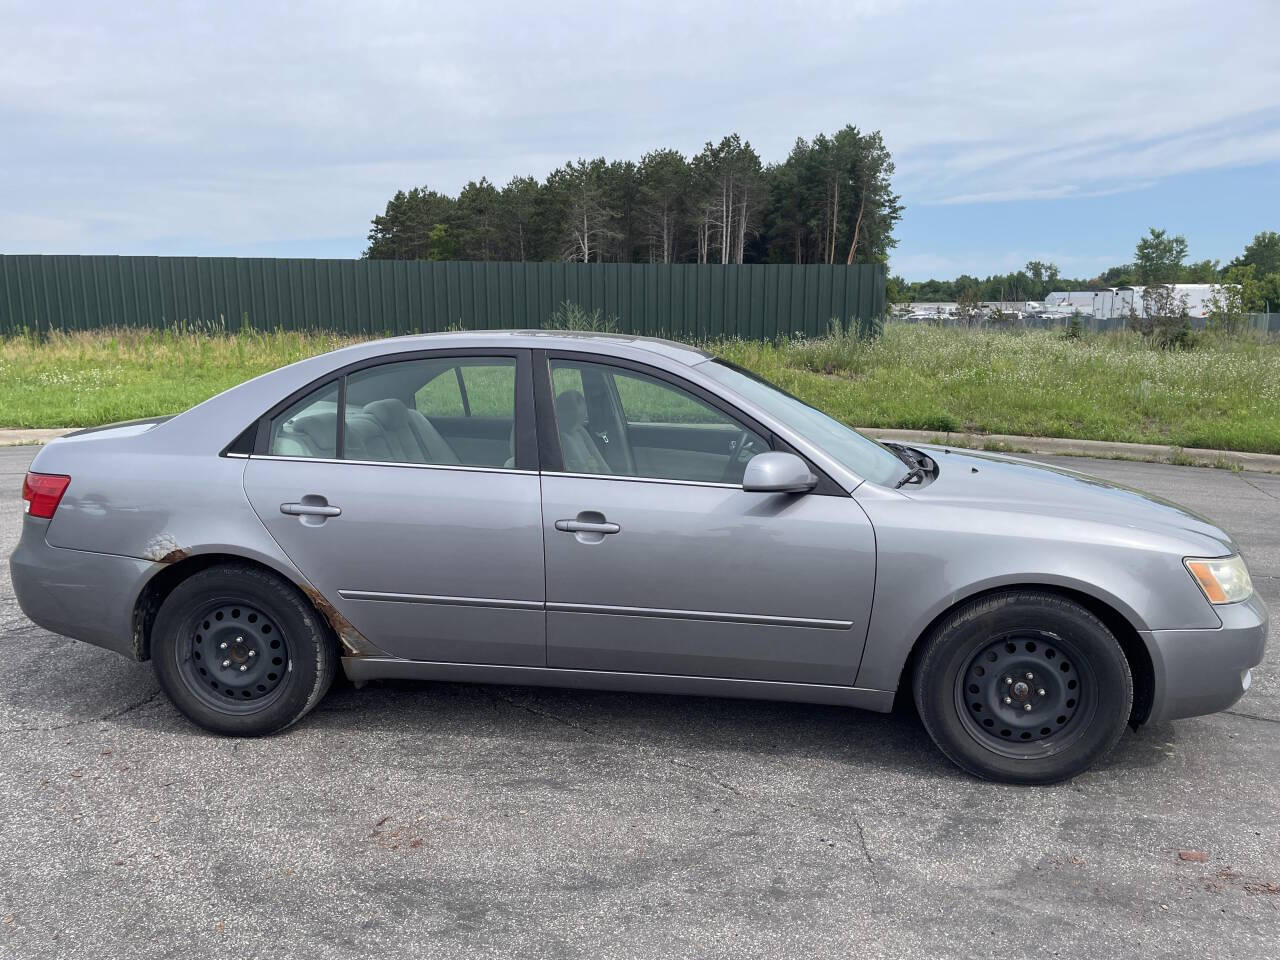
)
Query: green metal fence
[{"x": 755, "y": 301}]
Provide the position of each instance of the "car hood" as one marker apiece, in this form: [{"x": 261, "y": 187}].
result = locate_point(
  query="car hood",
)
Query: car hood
[{"x": 1014, "y": 485}]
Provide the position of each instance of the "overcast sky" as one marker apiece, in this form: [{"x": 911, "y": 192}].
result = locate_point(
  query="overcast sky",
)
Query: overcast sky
[{"x": 1021, "y": 130}]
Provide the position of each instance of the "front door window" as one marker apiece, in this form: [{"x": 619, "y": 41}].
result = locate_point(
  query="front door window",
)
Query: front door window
[{"x": 619, "y": 422}]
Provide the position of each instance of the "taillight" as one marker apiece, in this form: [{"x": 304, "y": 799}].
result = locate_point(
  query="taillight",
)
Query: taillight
[{"x": 42, "y": 492}]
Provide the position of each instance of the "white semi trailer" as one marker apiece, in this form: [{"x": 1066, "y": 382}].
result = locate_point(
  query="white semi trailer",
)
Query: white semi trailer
[{"x": 1116, "y": 303}]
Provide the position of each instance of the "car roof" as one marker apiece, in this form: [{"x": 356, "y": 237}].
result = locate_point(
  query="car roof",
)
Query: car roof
[{"x": 584, "y": 341}]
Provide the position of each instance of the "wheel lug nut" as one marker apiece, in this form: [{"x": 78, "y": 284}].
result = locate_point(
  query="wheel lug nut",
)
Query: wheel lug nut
[
  {"x": 226, "y": 663},
  {"x": 1025, "y": 706},
  {"x": 254, "y": 653},
  {"x": 1008, "y": 700},
  {"x": 222, "y": 645},
  {"x": 1031, "y": 676},
  {"x": 1040, "y": 691},
  {"x": 245, "y": 666},
  {"x": 1008, "y": 680}
]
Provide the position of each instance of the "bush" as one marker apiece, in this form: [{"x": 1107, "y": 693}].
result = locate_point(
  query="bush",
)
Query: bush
[
  {"x": 839, "y": 351},
  {"x": 1074, "y": 329},
  {"x": 1173, "y": 333},
  {"x": 938, "y": 420},
  {"x": 1164, "y": 322},
  {"x": 1227, "y": 313},
  {"x": 571, "y": 316}
]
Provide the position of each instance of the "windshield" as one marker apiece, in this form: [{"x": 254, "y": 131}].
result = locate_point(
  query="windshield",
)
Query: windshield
[{"x": 855, "y": 452}]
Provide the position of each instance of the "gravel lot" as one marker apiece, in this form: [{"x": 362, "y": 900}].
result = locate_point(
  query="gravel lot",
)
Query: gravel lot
[{"x": 463, "y": 821}]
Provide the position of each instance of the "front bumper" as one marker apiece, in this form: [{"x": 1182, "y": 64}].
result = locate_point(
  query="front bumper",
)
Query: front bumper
[
  {"x": 82, "y": 595},
  {"x": 1204, "y": 671}
]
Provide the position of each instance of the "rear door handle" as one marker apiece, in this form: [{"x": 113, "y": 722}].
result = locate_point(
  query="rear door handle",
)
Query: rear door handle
[
  {"x": 586, "y": 526},
  {"x": 310, "y": 510}
]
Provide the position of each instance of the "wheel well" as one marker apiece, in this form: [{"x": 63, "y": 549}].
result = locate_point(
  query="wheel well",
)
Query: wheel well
[
  {"x": 163, "y": 583},
  {"x": 1135, "y": 651}
]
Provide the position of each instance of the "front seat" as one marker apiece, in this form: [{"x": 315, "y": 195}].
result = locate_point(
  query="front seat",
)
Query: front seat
[{"x": 581, "y": 455}]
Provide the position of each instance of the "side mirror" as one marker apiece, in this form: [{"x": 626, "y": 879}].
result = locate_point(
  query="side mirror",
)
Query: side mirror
[{"x": 777, "y": 472}]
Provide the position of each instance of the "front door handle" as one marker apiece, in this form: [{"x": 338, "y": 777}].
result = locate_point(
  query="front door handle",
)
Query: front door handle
[
  {"x": 310, "y": 510},
  {"x": 586, "y": 526}
]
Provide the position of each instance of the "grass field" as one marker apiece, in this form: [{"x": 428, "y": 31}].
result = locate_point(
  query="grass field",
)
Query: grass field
[{"x": 1224, "y": 394}]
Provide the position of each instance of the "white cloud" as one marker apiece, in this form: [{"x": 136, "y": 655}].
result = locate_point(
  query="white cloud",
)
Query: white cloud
[
  {"x": 982, "y": 263},
  {"x": 202, "y": 125},
  {"x": 1056, "y": 192}
]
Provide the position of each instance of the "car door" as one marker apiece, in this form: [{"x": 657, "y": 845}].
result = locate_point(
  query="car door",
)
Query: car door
[
  {"x": 429, "y": 543},
  {"x": 657, "y": 561}
]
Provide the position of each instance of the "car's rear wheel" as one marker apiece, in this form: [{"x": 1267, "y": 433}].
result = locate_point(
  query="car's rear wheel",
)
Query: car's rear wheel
[
  {"x": 1023, "y": 687},
  {"x": 241, "y": 652}
]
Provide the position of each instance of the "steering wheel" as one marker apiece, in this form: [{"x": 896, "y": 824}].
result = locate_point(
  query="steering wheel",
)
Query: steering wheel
[{"x": 744, "y": 442}]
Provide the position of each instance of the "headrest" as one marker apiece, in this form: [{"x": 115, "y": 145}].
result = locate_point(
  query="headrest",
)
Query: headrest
[
  {"x": 571, "y": 408},
  {"x": 320, "y": 428},
  {"x": 391, "y": 413}
]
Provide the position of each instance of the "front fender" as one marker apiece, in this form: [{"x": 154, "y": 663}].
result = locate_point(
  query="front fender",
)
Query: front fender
[{"x": 929, "y": 559}]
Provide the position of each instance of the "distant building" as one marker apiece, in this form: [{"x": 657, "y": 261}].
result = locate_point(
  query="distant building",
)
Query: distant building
[
  {"x": 930, "y": 310},
  {"x": 1116, "y": 303},
  {"x": 921, "y": 310}
]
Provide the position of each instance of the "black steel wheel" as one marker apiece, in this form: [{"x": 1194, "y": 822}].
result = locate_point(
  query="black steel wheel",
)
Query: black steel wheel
[
  {"x": 1024, "y": 694},
  {"x": 234, "y": 657},
  {"x": 1024, "y": 687},
  {"x": 240, "y": 651}
]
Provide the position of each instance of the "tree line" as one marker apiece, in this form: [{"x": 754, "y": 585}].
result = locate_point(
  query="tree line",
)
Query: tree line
[
  {"x": 830, "y": 201},
  {"x": 1158, "y": 259}
]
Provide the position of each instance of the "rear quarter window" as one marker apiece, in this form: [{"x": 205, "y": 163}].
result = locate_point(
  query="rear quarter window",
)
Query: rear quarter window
[{"x": 309, "y": 428}]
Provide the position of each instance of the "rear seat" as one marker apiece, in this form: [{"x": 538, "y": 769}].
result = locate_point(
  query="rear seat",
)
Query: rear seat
[
  {"x": 314, "y": 435},
  {"x": 388, "y": 430},
  {"x": 382, "y": 430}
]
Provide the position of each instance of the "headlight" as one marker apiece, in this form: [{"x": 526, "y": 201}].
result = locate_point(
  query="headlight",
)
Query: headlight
[{"x": 1223, "y": 579}]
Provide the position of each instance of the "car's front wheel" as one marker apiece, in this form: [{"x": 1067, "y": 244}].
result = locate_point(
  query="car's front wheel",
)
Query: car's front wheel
[
  {"x": 1024, "y": 687},
  {"x": 241, "y": 652}
]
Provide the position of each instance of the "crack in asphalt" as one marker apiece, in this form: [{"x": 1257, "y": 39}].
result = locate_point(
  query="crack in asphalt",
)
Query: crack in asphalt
[
  {"x": 547, "y": 714},
  {"x": 24, "y": 628},
  {"x": 861, "y": 837},
  {"x": 1260, "y": 489},
  {"x": 710, "y": 775},
  {"x": 862, "y": 843},
  {"x": 109, "y": 715},
  {"x": 857, "y": 841},
  {"x": 722, "y": 784},
  {"x": 1252, "y": 716}
]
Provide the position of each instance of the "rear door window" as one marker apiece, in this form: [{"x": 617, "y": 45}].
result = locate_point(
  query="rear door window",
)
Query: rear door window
[{"x": 451, "y": 411}]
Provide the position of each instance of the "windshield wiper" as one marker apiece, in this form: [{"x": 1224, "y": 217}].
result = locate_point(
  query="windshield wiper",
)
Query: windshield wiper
[
  {"x": 915, "y": 467},
  {"x": 919, "y": 464},
  {"x": 914, "y": 472}
]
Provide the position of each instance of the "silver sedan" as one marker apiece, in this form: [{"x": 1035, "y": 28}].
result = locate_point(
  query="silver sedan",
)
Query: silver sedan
[{"x": 626, "y": 514}]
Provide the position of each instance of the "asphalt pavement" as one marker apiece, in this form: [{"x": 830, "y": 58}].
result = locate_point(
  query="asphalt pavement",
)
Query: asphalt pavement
[{"x": 439, "y": 820}]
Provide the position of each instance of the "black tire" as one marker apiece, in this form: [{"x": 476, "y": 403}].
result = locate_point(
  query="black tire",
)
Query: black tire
[
  {"x": 1023, "y": 687},
  {"x": 241, "y": 652}
]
